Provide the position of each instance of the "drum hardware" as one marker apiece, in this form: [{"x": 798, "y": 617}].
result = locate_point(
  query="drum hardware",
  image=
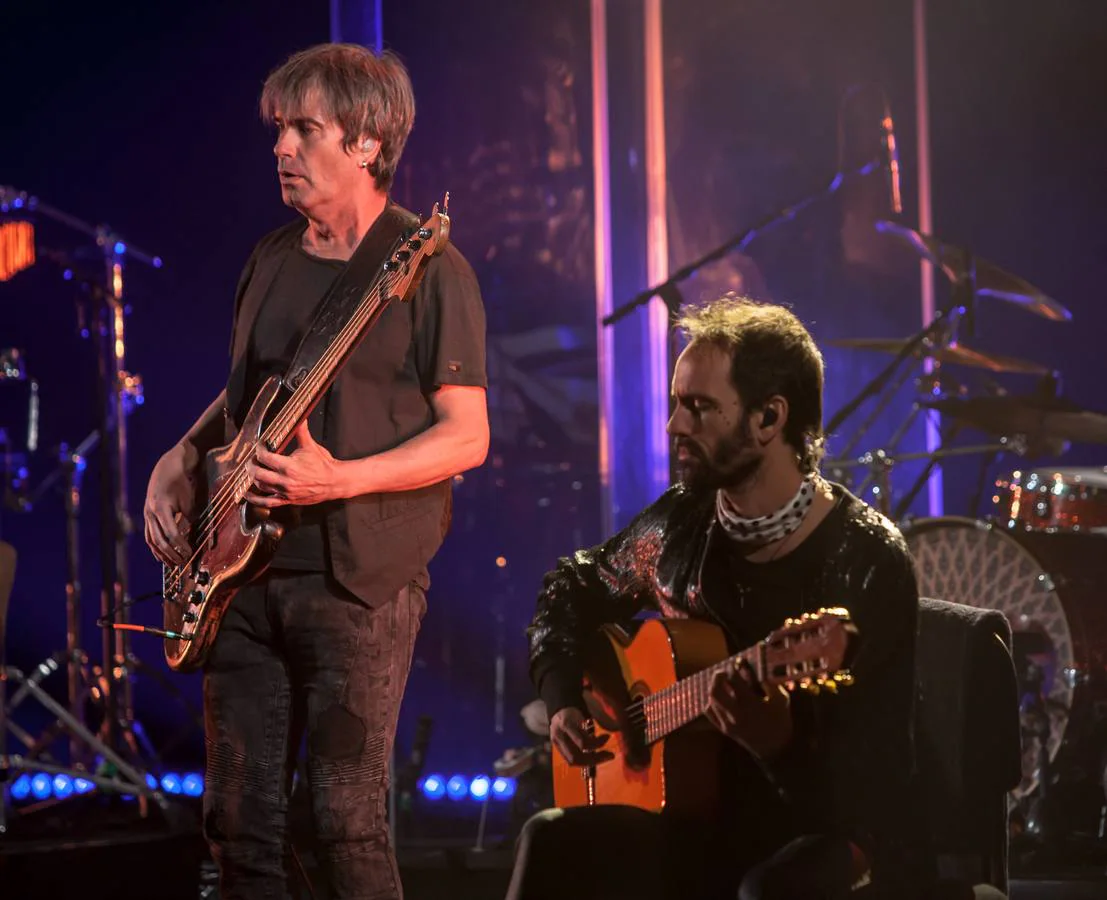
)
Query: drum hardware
[
  {"x": 1074, "y": 677},
  {"x": 101, "y": 316},
  {"x": 1049, "y": 585},
  {"x": 880, "y": 464},
  {"x": 80, "y": 683},
  {"x": 12, "y": 367},
  {"x": 939, "y": 343}
]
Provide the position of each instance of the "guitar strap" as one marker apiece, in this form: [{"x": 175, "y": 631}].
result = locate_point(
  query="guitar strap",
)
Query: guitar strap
[{"x": 350, "y": 287}]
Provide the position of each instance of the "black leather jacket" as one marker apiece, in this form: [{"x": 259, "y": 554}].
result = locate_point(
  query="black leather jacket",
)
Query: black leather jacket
[{"x": 850, "y": 766}]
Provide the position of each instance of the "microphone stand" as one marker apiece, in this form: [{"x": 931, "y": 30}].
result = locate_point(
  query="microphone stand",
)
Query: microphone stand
[
  {"x": 118, "y": 390},
  {"x": 668, "y": 290}
]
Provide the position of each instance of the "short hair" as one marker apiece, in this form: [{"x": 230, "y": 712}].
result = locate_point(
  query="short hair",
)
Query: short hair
[
  {"x": 361, "y": 91},
  {"x": 771, "y": 353}
]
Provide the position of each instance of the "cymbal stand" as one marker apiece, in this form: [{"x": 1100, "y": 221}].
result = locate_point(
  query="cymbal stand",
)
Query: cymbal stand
[
  {"x": 882, "y": 471},
  {"x": 887, "y": 393},
  {"x": 942, "y": 324},
  {"x": 942, "y": 331},
  {"x": 118, "y": 389},
  {"x": 121, "y": 777}
]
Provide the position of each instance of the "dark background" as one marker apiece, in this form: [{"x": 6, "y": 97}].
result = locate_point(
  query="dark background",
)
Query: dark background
[{"x": 145, "y": 118}]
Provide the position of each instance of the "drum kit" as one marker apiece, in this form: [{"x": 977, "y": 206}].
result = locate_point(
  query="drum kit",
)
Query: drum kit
[{"x": 1039, "y": 554}]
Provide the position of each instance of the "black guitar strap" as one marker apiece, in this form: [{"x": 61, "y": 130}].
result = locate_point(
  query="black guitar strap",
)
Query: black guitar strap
[{"x": 350, "y": 288}]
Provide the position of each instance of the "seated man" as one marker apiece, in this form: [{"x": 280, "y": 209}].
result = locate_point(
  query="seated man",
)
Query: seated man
[{"x": 823, "y": 802}]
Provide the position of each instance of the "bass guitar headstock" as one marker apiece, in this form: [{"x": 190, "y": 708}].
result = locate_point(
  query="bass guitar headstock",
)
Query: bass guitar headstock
[{"x": 404, "y": 267}]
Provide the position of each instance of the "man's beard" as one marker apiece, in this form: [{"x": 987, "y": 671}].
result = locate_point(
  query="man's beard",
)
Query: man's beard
[{"x": 730, "y": 466}]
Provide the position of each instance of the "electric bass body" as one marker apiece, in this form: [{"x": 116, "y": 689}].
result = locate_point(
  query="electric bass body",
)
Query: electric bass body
[
  {"x": 232, "y": 541},
  {"x": 239, "y": 548},
  {"x": 648, "y": 695}
]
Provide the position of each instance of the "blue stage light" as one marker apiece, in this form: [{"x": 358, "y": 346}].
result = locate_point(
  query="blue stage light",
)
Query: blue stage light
[
  {"x": 151, "y": 782},
  {"x": 457, "y": 788},
  {"x": 83, "y": 785},
  {"x": 120, "y": 247},
  {"x": 479, "y": 787},
  {"x": 503, "y": 788},
  {"x": 192, "y": 784},
  {"x": 171, "y": 783},
  {"x": 63, "y": 786},
  {"x": 41, "y": 786},
  {"x": 433, "y": 787},
  {"x": 21, "y": 787}
]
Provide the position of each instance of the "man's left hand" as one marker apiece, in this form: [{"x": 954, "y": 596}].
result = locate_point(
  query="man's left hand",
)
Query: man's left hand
[
  {"x": 759, "y": 721},
  {"x": 307, "y": 476}
]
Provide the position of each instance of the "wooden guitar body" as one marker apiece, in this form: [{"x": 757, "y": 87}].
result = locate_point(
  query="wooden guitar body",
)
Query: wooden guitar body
[
  {"x": 648, "y": 695},
  {"x": 679, "y": 772},
  {"x": 238, "y": 549}
]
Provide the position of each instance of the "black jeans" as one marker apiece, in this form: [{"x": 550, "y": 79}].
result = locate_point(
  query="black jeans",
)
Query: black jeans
[
  {"x": 599, "y": 852},
  {"x": 296, "y": 653}
]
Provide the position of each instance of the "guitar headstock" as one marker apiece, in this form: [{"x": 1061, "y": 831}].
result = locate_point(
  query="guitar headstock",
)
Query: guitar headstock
[
  {"x": 405, "y": 265},
  {"x": 811, "y": 652}
]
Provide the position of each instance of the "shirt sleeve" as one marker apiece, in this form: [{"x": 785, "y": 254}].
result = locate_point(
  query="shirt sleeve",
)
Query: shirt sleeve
[{"x": 449, "y": 325}]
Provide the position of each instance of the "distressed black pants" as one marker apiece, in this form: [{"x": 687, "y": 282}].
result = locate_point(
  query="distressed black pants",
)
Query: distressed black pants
[{"x": 296, "y": 655}]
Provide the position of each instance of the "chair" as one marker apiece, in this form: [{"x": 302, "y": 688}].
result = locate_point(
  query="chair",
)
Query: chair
[{"x": 967, "y": 740}]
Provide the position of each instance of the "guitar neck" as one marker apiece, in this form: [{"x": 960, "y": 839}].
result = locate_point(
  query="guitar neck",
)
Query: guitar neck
[
  {"x": 307, "y": 393},
  {"x": 675, "y": 706}
]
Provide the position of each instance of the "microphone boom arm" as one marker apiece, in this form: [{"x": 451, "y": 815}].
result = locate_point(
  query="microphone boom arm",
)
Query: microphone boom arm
[{"x": 667, "y": 289}]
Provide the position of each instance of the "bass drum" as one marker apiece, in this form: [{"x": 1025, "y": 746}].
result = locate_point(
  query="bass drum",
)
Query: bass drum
[{"x": 1053, "y": 589}]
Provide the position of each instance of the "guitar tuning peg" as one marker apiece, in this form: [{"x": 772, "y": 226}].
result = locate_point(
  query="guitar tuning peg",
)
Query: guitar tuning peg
[
  {"x": 844, "y": 679},
  {"x": 831, "y": 686}
]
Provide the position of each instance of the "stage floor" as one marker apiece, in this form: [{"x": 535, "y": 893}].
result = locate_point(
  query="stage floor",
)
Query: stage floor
[{"x": 140, "y": 863}]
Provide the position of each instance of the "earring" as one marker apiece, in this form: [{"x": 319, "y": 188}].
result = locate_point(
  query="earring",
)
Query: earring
[{"x": 364, "y": 164}]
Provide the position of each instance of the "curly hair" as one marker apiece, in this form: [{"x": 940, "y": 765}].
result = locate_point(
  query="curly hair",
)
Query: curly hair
[
  {"x": 771, "y": 354},
  {"x": 364, "y": 93}
]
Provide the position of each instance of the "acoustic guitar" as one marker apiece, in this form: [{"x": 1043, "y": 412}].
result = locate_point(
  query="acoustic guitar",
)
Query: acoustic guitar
[{"x": 649, "y": 694}]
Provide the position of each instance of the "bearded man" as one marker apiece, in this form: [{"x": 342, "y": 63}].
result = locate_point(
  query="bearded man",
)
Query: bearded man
[{"x": 822, "y": 802}]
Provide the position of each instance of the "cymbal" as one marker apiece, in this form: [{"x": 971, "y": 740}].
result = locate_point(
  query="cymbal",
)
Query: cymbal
[
  {"x": 1039, "y": 418},
  {"x": 953, "y": 354},
  {"x": 991, "y": 280}
]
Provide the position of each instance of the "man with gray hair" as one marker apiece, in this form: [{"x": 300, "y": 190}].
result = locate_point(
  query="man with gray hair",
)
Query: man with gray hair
[{"x": 320, "y": 645}]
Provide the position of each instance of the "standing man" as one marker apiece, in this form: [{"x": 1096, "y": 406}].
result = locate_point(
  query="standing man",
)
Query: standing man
[{"x": 321, "y": 644}]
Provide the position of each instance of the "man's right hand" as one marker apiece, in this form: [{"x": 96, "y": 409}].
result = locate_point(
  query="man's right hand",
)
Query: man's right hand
[
  {"x": 575, "y": 740},
  {"x": 170, "y": 497}
]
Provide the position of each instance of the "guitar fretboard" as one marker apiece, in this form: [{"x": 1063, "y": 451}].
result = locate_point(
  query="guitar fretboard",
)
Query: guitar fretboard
[{"x": 680, "y": 703}]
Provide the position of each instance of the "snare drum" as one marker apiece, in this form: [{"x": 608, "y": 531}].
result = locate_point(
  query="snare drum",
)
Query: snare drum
[{"x": 1053, "y": 500}]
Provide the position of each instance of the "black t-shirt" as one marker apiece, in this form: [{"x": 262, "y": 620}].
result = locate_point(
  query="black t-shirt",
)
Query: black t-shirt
[
  {"x": 283, "y": 320},
  {"x": 379, "y": 401},
  {"x": 756, "y": 591}
]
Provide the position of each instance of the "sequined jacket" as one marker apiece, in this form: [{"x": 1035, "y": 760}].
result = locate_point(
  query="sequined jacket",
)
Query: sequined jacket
[{"x": 850, "y": 767}]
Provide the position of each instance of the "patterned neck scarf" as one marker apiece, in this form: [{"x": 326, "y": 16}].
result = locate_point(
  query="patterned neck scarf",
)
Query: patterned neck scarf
[{"x": 770, "y": 528}]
